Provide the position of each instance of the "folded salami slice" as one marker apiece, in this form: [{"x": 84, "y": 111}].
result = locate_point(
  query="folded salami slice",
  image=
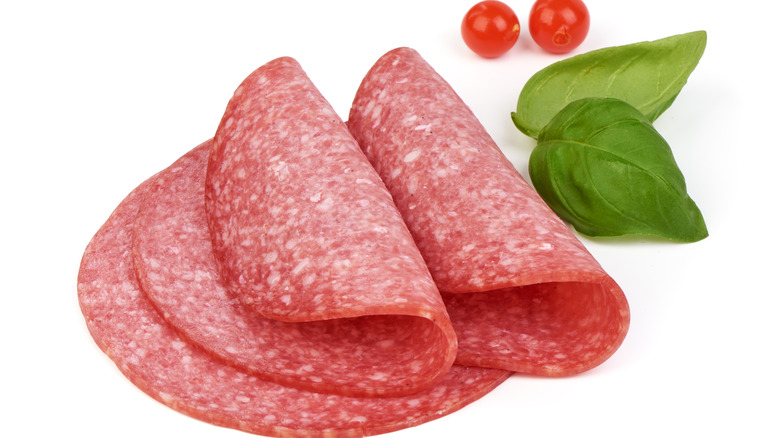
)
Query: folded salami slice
[
  {"x": 313, "y": 280},
  {"x": 130, "y": 330},
  {"x": 523, "y": 293}
]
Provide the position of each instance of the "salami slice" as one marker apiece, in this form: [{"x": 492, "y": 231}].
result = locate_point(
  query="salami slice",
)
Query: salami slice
[
  {"x": 128, "y": 328},
  {"x": 304, "y": 231},
  {"x": 523, "y": 292},
  {"x": 176, "y": 267}
]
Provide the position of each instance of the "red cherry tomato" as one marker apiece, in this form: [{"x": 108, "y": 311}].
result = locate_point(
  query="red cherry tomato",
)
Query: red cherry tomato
[
  {"x": 559, "y": 26},
  {"x": 490, "y": 28}
]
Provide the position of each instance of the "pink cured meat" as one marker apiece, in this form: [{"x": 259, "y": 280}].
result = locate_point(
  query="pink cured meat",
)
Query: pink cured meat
[
  {"x": 177, "y": 269},
  {"x": 129, "y": 329},
  {"x": 287, "y": 184},
  {"x": 313, "y": 279},
  {"x": 522, "y": 291}
]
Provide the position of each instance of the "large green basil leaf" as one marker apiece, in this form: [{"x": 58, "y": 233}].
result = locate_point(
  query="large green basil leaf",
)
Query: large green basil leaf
[
  {"x": 648, "y": 75},
  {"x": 600, "y": 165}
]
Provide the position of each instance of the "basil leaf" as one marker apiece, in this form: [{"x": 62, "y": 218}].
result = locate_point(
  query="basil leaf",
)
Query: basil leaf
[
  {"x": 648, "y": 75},
  {"x": 600, "y": 165}
]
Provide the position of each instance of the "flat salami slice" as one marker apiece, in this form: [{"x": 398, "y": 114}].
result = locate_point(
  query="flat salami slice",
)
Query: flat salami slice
[
  {"x": 538, "y": 303},
  {"x": 129, "y": 329},
  {"x": 370, "y": 355}
]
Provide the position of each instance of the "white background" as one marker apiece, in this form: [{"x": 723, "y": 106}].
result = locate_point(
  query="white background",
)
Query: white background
[{"x": 97, "y": 96}]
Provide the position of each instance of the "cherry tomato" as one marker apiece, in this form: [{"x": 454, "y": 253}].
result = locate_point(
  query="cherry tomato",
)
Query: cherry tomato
[
  {"x": 490, "y": 28},
  {"x": 559, "y": 26}
]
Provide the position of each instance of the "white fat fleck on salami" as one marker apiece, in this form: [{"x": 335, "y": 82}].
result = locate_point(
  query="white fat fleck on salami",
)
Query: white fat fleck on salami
[
  {"x": 411, "y": 156},
  {"x": 300, "y": 266},
  {"x": 511, "y": 271},
  {"x": 325, "y": 204},
  {"x": 273, "y": 279}
]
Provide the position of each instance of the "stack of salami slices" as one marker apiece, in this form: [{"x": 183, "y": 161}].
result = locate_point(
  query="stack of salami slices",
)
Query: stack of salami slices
[{"x": 301, "y": 276}]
